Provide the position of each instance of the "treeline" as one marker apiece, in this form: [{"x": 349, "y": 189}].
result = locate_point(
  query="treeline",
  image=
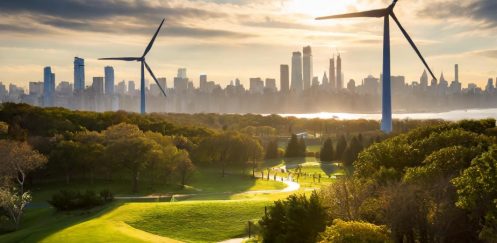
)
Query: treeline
[{"x": 433, "y": 184}]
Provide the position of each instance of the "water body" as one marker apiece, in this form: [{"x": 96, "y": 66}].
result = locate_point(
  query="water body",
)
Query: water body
[{"x": 455, "y": 115}]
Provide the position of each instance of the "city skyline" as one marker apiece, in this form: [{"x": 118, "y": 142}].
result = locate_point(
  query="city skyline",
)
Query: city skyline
[{"x": 245, "y": 48}]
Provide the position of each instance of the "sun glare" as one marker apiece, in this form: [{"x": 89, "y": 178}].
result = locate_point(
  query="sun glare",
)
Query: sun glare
[{"x": 318, "y": 7}]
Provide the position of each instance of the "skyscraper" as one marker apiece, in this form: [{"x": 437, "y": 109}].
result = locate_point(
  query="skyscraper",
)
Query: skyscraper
[
  {"x": 423, "y": 81},
  {"x": 203, "y": 83},
  {"x": 109, "y": 80},
  {"x": 79, "y": 74},
  {"x": 325, "y": 80},
  {"x": 333, "y": 81},
  {"x": 181, "y": 73},
  {"x": 131, "y": 87},
  {"x": 307, "y": 67},
  {"x": 297, "y": 72},
  {"x": 456, "y": 70},
  {"x": 339, "y": 72},
  {"x": 48, "y": 87},
  {"x": 284, "y": 78},
  {"x": 98, "y": 85}
]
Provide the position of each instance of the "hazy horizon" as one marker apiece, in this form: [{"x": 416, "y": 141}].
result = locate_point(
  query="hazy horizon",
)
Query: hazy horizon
[{"x": 242, "y": 39}]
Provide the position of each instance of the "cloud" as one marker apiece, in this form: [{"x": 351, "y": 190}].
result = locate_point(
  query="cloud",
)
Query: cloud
[
  {"x": 482, "y": 11},
  {"x": 487, "y": 53}
]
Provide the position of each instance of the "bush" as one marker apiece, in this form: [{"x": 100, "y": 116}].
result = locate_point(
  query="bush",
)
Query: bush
[
  {"x": 355, "y": 231},
  {"x": 296, "y": 219},
  {"x": 72, "y": 200}
]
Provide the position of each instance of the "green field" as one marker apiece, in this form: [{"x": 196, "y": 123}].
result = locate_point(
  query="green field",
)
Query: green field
[{"x": 212, "y": 208}]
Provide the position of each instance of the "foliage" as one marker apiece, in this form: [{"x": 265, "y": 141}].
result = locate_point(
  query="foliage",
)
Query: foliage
[
  {"x": 72, "y": 200},
  {"x": 296, "y": 147},
  {"x": 355, "y": 232},
  {"x": 271, "y": 150},
  {"x": 14, "y": 202},
  {"x": 326, "y": 154},
  {"x": 296, "y": 219},
  {"x": 478, "y": 194},
  {"x": 340, "y": 148}
]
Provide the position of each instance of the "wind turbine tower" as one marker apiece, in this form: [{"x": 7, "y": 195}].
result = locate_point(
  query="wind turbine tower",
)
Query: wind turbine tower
[{"x": 385, "y": 13}]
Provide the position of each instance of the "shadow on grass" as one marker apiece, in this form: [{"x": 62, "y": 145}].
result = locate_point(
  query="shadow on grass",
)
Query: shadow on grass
[{"x": 40, "y": 223}]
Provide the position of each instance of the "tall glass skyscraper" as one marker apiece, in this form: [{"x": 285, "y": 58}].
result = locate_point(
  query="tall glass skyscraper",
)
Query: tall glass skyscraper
[
  {"x": 307, "y": 67},
  {"x": 79, "y": 74},
  {"x": 109, "y": 80},
  {"x": 48, "y": 87},
  {"x": 333, "y": 79},
  {"x": 284, "y": 78},
  {"x": 297, "y": 72}
]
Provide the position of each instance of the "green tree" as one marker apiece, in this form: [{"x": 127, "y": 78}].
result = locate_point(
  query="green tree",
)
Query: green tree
[
  {"x": 355, "y": 231},
  {"x": 292, "y": 148},
  {"x": 296, "y": 219},
  {"x": 340, "y": 148},
  {"x": 14, "y": 202},
  {"x": 128, "y": 147},
  {"x": 183, "y": 166},
  {"x": 326, "y": 153},
  {"x": 477, "y": 192},
  {"x": 353, "y": 149},
  {"x": 271, "y": 150}
]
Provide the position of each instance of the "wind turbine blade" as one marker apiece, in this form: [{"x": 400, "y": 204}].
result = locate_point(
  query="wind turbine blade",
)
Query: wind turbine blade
[
  {"x": 377, "y": 13},
  {"x": 412, "y": 43},
  {"x": 153, "y": 39},
  {"x": 129, "y": 59},
  {"x": 155, "y": 79}
]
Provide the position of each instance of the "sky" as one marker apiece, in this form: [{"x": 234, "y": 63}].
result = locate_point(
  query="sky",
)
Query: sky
[{"x": 228, "y": 39}]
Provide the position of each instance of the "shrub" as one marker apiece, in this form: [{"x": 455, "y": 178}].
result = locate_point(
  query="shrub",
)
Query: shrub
[
  {"x": 72, "y": 200},
  {"x": 355, "y": 232},
  {"x": 296, "y": 219}
]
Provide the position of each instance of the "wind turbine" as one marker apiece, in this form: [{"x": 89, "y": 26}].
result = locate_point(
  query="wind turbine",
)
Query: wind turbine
[
  {"x": 143, "y": 66},
  {"x": 386, "y": 13}
]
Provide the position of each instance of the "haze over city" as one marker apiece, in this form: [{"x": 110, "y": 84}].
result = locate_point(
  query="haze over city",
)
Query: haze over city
[{"x": 227, "y": 40}]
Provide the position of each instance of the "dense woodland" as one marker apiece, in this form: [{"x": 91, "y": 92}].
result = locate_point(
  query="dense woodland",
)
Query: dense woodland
[
  {"x": 432, "y": 184},
  {"x": 430, "y": 181}
]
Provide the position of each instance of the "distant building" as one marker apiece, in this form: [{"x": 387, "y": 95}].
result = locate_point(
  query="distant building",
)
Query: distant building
[
  {"x": 339, "y": 79},
  {"x": 271, "y": 85},
  {"x": 371, "y": 85},
  {"x": 79, "y": 74},
  {"x": 36, "y": 88},
  {"x": 256, "y": 86},
  {"x": 423, "y": 81},
  {"x": 203, "y": 83},
  {"x": 109, "y": 80},
  {"x": 48, "y": 87},
  {"x": 121, "y": 87},
  {"x": 182, "y": 73},
  {"x": 3, "y": 90},
  {"x": 163, "y": 83},
  {"x": 490, "y": 86},
  {"x": 315, "y": 82},
  {"x": 15, "y": 91},
  {"x": 64, "y": 88},
  {"x": 333, "y": 82},
  {"x": 98, "y": 85},
  {"x": 351, "y": 85},
  {"x": 398, "y": 83},
  {"x": 325, "y": 81},
  {"x": 297, "y": 72},
  {"x": 131, "y": 87},
  {"x": 284, "y": 78},
  {"x": 307, "y": 67}
]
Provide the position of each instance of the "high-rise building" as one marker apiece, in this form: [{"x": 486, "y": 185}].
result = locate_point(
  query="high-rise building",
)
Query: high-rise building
[
  {"x": 109, "y": 80},
  {"x": 284, "y": 78},
  {"x": 325, "y": 81},
  {"x": 339, "y": 72},
  {"x": 98, "y": 85},
  {"x": 203, "y": 83},
  {"x": 307, "y": 67},
  {"x": 131, "y": 87},
  {"x": 315, "y": 82},
  {"x": 163, "y": 83},
  {"x": 36, "y": 88},
  {"x": 79, "y": 74},
  {"x": 371, "y": 85},
  {"x": 271, "y": 85},
  {"x": 121, "y": 87},
  {"x": 351, "y": 85},
  {"x": 333, "y": 80},
  {"x": 64, "y": 88},
  {"x": 48, "y": 87},
  {"x": 456, "y": 71},
  {"x": 15, "y": 91},
  {"x": 423, "y": 81},
  {"x": 181, "y": 73},
  {"x": 297, "y": 72},
  {"x": 256, "y": 86},
  {"x": 490, "y": 85}
]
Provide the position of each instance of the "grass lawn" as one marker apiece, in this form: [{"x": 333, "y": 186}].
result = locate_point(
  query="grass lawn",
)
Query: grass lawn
[
  {"x": 205, "y": 181},
  {"x": 198, "y": 221}
]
